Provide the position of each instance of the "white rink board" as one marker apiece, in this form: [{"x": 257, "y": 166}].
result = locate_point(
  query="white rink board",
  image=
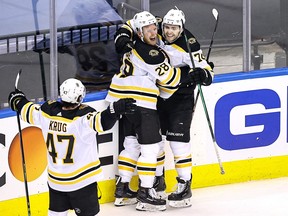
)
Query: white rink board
[{"x": 203, "y": 151}]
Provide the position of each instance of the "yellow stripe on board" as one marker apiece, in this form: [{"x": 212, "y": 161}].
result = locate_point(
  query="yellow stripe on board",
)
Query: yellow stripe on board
[{"x": 203, "y": 176}]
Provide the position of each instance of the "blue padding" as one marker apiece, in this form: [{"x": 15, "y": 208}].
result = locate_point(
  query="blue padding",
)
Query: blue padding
[
  {"x": 250, "y": 75},
  {"x": 95, "y": 96},
  {"x": 4, "y": 113}
]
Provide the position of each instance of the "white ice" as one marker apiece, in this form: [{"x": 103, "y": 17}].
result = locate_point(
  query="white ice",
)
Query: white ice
[{"x": 254, "y": 198}]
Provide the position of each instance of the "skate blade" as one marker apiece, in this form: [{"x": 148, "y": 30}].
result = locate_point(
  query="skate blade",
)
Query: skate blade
[
  {"x": 125, "y": 201},
  {"x": 180, "y": 203},
  {"x": 162, "y": 195},
  {"x": 148, "y": 207}
]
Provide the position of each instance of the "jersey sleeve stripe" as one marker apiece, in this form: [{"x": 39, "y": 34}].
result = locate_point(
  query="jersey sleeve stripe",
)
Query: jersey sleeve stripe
[
  {"x": 95, "y": 122},
  {"x": 25, "y": 112},
  {"x": 173, "y": 79},
  {"x": 128, "y": 27},
  {"x": 98, "y": 123}
]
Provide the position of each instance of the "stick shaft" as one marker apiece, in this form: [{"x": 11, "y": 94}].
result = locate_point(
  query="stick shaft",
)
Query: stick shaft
[
  {"x": 22, "y": 151},
  {"x": 23, "y": 165},
  {"x": 204, "y": 104}
]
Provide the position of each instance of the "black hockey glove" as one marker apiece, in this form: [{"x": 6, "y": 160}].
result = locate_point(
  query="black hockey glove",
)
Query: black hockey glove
[
  {"x": 123, "y": 106},
  {"x": 211, "y": 65},
  {"x": 197, "y": 76},
  {"x": 14, "y": 98},
  {"x": 123, "y": 45}
]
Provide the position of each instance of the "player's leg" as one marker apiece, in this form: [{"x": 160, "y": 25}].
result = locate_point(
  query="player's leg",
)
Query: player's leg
[
  {"x": 149, "y": 136},
  {"x": 127, "y": 162},
  {"x": 159, "y": 181},
  {"x": 183, "y": 164},
  {"x": 85, "y": 201},
  {"x": 58, "y": 203},
  {"x": 146, "y": 166},
  {"x": 178, "y": 135}
]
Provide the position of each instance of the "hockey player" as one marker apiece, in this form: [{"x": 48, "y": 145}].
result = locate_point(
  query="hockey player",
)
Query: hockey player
[
  {"x": 144, "y": 75},
  {"x": 69, "y": 129},
  {"x": 176, "y": 112}
]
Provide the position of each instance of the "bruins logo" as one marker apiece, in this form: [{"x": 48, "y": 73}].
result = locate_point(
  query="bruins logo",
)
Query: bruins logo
[
  {"x": 192, "y": 40},
  {"x": 154, "y": 53}
]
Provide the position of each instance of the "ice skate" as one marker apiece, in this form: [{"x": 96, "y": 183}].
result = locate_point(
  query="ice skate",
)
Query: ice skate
[
  {"x": 148, "y": 201},
  {"x": 123, "y": 194},
  {"x": 182, "y": 196},
  {"x": 160, "y": 186}
]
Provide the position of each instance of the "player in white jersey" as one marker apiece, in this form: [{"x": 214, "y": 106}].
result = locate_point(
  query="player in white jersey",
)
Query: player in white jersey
[
  {"x": 69, "y": 129},
  {"x": 145, "y": 74},
  {"x": 176, "y": 112}
]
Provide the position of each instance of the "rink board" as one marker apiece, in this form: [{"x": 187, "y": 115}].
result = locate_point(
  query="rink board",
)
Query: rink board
[{"x": 248, "y": 112}]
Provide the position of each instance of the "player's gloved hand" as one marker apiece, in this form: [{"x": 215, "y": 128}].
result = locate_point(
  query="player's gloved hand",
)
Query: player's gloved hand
[
  {"x": 14, "y": 98},
  {"x": 123, "y": 45},
  {"x": 123, "y": 106},
  {"x": 197, "y": 75},
  {"x": 211, "y": 64}
]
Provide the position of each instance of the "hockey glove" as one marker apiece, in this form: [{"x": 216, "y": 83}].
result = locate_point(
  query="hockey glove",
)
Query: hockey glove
[
  {"x": 123, "y": 106},
  {"x": 197, "y": 75},
  {"x": 14, "y": 98},
  {"x": 211, "y": 65},
  {"x": 123, "y": 44}
]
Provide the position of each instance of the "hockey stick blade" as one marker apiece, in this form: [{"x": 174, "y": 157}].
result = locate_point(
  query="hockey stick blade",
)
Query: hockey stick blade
[
  {"x": 215, "y": 13},
  {"x": 17, "y": 79},
  {"x": 216, "y": 16}
]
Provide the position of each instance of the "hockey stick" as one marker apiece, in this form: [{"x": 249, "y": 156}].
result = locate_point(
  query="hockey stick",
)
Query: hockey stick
[
  {"x": 204, "y": 105},
  {"x": 216, "y": 16},
  {"x": 22, "y": 149}
]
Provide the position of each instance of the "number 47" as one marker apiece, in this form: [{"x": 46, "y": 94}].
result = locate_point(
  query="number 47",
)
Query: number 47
[{"x": 50, "y": 143}]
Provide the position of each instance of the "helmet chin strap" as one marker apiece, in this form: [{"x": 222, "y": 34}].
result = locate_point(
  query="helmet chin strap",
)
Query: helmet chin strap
[
  {"x": 140, "y": 34},
  {"x": 142, "y": 37}
]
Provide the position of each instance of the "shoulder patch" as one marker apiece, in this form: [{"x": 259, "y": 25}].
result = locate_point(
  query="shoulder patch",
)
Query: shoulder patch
[
  {"x": 153, "y": 53},
  {"x": 192, "y": 40},
  {"x": 149, "y": 54}
]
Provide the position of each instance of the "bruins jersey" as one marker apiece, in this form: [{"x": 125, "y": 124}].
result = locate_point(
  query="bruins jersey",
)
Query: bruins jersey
[
  {"x": 177, "y": 51},
  {"x": 70, "y": 137},
  {"x": 179, "y": 54},
  {"x": 145, "y": 73}
]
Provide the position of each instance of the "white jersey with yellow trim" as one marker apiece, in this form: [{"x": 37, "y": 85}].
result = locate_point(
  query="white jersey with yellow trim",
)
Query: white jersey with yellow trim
[
  {"x": 179, "y": 54},
  {"x": 179, "y": 57},
  {"x": 145, "y": 73},
  {"x": 70, "y": 137}
]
